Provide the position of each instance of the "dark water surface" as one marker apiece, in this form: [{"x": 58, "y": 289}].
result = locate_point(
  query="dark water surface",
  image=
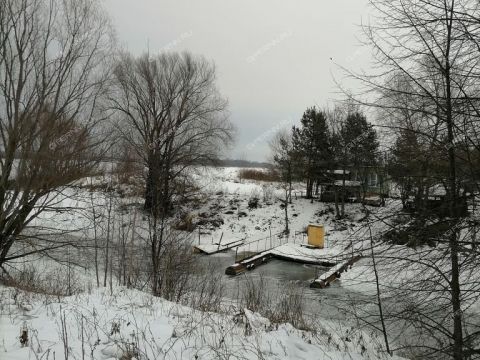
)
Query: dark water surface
[{"x": 279, "y": 276}]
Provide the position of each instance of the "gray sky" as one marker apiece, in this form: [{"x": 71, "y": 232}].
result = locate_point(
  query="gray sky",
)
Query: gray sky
[{"x": 272, "y": 56}]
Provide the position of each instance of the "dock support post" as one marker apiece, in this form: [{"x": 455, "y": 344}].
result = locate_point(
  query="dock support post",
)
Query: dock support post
[
  {"x": 221, "y": 237},
  {"x": 270, "y": 228}
]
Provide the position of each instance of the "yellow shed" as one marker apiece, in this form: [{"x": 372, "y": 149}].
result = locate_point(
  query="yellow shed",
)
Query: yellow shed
[{"x": 316, "y": 236}]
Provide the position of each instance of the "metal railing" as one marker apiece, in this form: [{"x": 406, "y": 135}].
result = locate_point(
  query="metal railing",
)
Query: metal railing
[{"x": 261, "y": 245}]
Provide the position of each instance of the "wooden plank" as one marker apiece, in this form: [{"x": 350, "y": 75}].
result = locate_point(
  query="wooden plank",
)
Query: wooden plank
[
  {"x": 215, "y": 248},
  {"x": 333, "y": 274},
  {"x": 249, "y": 264}
]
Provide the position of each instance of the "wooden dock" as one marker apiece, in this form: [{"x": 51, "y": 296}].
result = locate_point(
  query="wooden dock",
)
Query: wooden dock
[
  {"x": 286, "y": 252},
  {"x": 334, "y": 258},
  {"x": 249, "y": 263},
  {"x": 334, "y": 273},
  {"x": 218, "y": 247}
]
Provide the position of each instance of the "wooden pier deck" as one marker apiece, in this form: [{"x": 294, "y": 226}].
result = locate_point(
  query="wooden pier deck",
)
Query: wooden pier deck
[
  {"x": 334, "y": 273},
  {"x": 249, "y": 263},
  {"x": 338, "y": 262},
  {"x": 287, "y": 252},
  {"x": 217, "y": 247}
]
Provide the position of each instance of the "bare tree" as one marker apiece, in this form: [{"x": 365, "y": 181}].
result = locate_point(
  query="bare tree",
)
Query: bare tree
[
  {"x": 53, "y": 76},
  {"x": 283, "y": 159},
  {"x": 433, "y": 46},
  {"x": 174, "y": 117}
]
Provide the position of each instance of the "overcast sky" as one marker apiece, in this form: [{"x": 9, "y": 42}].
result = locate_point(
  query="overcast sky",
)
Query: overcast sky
[{"x": 273, "y": 57}]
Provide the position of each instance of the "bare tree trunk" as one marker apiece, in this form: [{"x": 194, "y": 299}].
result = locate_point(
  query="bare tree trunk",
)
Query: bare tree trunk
[
  {"x": 308, "y": 193},
  {"x": 123, "y": 266},
  {"x": 455, "y": 277},
  {"x": 95, "y": 238},
  {"x": 290, "y": 175},
  {"x": 129, "y": 279},
  {"x": 287, "y": 229},
  {"x": 151, "y": 190},
  {"x": 337, "y": 209},
  {"x": 111, "y": 258},
  {"x": 379, "y": 296},
  {"x": 107, "y": 244},
  {"x": 343, "y": 194}
]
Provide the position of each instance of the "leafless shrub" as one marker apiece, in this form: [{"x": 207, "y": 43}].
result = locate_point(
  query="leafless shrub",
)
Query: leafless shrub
[
  {"x": 290, "y": 309},
  {"x": 64, "y": 334},
  {"x": 129, "y": 169},
  {"x": 56, "y": 282},
  {"x": 172, "y": 264},
  {"x": 268, "y": 193},
  {"x": 131, "y": 352},
  {"x": 208, "y": 290},
  {"x": 254, "y": 200},
  {"x": 285, "y": 305},
  {"x": 254, "y": 295},
  {"x": 185, "y": 223}
]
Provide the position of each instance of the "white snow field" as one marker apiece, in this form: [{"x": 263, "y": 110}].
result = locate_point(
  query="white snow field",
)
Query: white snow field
[{"x": 129, "y": 324}]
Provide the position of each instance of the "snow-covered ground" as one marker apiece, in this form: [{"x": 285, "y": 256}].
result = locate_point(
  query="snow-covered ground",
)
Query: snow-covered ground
[
  {"x": 229, "y": 197},
  {"x": 152, "y": 328},
  {"x": 128, "y": 324}
]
